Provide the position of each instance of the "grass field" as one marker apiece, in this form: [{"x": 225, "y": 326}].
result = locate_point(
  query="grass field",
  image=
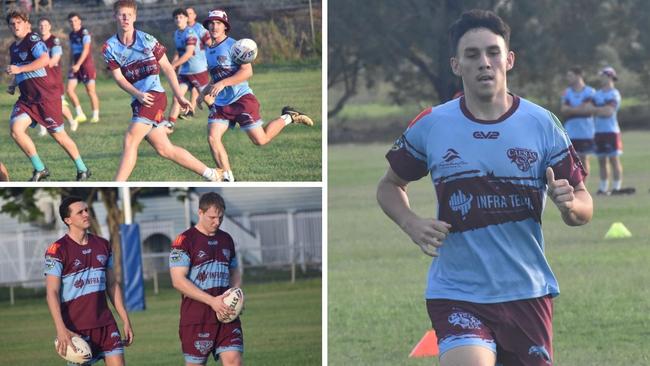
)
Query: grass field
[
  {"x": 376, "y": 311},
  {"x": 281, "y": 324},
  {"x": 295, "y": 155}
]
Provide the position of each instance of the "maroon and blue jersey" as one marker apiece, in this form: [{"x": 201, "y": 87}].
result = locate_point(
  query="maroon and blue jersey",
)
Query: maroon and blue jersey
[
  {"x": 188, "y": 37},
  {"x": 35, "y": 86},
  {"x": 210, "y": 259},
  {"x": 77, "y": 41},
  {"x": 138, "y": 61},
  {"x": 490, "y": 183},
  {"x": 579, "y": 127},
  {"x": 82, "y": 269},
  {"x": 54, "y": 46},
  {"x": 221, "y": 66},
  {"x": 612, "y": 98}
]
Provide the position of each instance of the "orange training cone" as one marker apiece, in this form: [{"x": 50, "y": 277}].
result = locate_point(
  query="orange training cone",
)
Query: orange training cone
[{"x": 427, "y": 346}]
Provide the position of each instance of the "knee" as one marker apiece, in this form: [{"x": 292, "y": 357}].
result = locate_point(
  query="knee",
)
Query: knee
[
  {"x": 214, "y": 140},
  {"x": 259, "y": 141},
  {"x": 165, "y": 151}
]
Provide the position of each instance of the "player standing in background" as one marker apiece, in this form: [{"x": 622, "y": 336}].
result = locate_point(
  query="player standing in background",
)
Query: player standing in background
[
  {"x": 201, "y": 32},
  {"x": 82, "y": 68},
  {"x": 576, "y": 108},
  {"x": 135, "y": 59},
  {"x": 189, "y": 59},
  {"x": 54, "y": 69},
  {"x": 234, "y": 101},
  {"x": 39, "y": 101},
  {"x": 609, "y": 145},
  {"x": 492, "y": 157},
  {"x": 203, "y": 265},
  {"x": 79, "y": 274}
]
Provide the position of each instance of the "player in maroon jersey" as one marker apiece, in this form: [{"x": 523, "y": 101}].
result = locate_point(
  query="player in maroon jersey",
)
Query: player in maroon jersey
[
  {"x": 39, "y": 101},
  {"x": 82, "y": 68},
  {"x": 203, "y": 265},
  {"x": 79, "y": 274}
]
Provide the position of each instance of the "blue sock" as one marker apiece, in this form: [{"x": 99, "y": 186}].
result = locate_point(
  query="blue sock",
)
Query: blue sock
[
  {"x": 81, "y": 167},
  {"x": 37, "y": 163}
]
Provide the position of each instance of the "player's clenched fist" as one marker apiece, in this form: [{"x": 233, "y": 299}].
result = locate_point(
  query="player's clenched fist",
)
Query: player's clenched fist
[
  {"x": 560, "y": 191},
  {"x": 428, "y": 234}
]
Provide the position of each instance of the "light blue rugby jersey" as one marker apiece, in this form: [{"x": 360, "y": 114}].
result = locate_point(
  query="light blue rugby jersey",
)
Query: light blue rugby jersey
[
  {"x": 607, "y": 97},
  {"x": 221, "y": 66},
  {"x": 490, "y": 183},
  {"x": 197, "y": 63},
  {"x": 579, "y": 127}
]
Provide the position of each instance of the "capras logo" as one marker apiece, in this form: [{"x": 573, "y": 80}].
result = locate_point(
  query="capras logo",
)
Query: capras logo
[{"x": 489, "y": 135}]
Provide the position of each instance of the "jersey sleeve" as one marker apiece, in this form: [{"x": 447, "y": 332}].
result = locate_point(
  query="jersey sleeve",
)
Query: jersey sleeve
[
  {"x": 204, "y": 35},
  {"x": 54, "y": 260},
  {"x": 109, "y": 261},
  {"x": 56, "y": 49},
  {"x": 234, "y": 263},
  {"x": 561, "y": 156},
  {"x": 86, "y": 39},
  {"x": 407, "y": 157},
  {"x": 191, "y": 39},
  {"x": 180, "y": 254},
  {"x": 38, "y": 49},
  {"x": 109, "y": 59}
]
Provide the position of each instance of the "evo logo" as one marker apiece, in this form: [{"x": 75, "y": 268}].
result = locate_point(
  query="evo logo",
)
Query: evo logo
[{"x": 490, "y": 135}]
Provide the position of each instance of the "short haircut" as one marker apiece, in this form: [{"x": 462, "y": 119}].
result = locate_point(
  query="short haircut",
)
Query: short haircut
[
  {"x": 576, "y": 70},
  {"x": 474, "y": 19},
  {"x": 74, "y": 14},
  {"x": 44, "y": 19},
  {"x": 179, "y": 11},
  {"x": 125, "y": 4},
  {"x": 17, "y": 14},
  {"x": 64, "y": 207},
  {"x": 210, "y": 199}
]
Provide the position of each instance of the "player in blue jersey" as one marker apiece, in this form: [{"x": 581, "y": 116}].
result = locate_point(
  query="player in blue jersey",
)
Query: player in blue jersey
[
  {"x": 493, "y": 157},
  {"x": 576, "y": 108},
  {"x": 203, "y": 266},
  {"x": 82, "y": 68},
  {"x": 200, "y": 30},
  {"x": 189, "y": 59},
  {"x": 230, "y": 98},
  {"x": 79, "y": 275},
  {"x": 136, "y": 59},
  {"x": 609, "y": 145}
]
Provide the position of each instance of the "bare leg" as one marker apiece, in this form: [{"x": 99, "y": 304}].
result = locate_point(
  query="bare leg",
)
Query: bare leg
[
  {"x": 262, "y": 136},
  {"x": 20, "y": 136},
  {"x": 194, "y": 97},
  {"x": 617, "y": 168},
  {"x": 70, "y": 89},
  {"x": 468, "y": 355},
  {"x": 604, "y": 171},
  {"x": 63, "y": 139},
  {"x": 231, "y": 358},
  {"x": 114, "y": 360},
  {"x": 218, "y": 150},
  {"x": 132, "y": 139},
  {"x": 176, "y": 108},
  {"x": 92, "y": 94},
  {"x": 159, "y": 140}
]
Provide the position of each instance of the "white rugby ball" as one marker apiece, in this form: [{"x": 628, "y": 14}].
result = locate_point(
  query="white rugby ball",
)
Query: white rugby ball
[
  {"x": 244, "y": 51},
  {"x": 235, "y": 300},
  {"x": 83, "y": 354}
]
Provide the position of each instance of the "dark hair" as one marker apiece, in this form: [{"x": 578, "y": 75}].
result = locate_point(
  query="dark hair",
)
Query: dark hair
[
  {"x": 473, "y": 19},
  {"x": 44, "y": 19},
  {"x": 210, "y": 199},
  {"x": 576, "y": 70},
  {"x": 179, "y": 11},
  {"x": 74, "y": 14},
  {"x": 17, "y": 14},
  {"x": 125, "y": 4},
  {"x": 64, "y": 207}
]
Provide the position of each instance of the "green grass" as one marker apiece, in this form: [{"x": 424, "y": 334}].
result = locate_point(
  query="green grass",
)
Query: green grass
[
  {"x": 281, "y": 324},
  {"x": 376, "y": 310},
  {"x": 295, "y": 155}
]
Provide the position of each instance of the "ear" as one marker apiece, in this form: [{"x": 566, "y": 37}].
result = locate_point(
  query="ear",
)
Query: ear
[
  {"x": 510, "y": 60},
  {"x": 455, "y": 66}
]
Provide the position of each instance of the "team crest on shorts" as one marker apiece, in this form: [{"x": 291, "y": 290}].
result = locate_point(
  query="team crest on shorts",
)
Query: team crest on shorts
[
  {"x": 203, "y": 346},
  {"x": 464, "y": 320},
  {"x": 523, "y": 158}
]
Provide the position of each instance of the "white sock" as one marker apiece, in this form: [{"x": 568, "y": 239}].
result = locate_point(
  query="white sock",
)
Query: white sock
[
  {"x": 78, "y": 110},
  {"x": 227, "y": 175},
  {"x": 617, "y": 184},
  {"x": 96, "y": 114},
  {"x": 603, "y": 185},
  {"x": 287, "y": 119},
  {"x": 208, "y": 174}
]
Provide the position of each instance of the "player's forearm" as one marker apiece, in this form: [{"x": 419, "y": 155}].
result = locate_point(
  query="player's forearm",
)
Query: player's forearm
[
  {"x": 235, "y": 278},
  {"x": 394, "y": 201},
  {"x": 178, "y": 61},
  {"x": 39, "y": 63},
  {"x": 84, "y": 55},
  {"x": 54, "y": 60},
  {"x": 127, "y": 87},
  {"x": 187, "y": 288},
  {"x": 54, "y": 305},
  {"x": 117, "y": 299},
  {"x": 240, "y": 76},
  {"x": 168, "y": 70},
  {"x": 582, "y": 209}
]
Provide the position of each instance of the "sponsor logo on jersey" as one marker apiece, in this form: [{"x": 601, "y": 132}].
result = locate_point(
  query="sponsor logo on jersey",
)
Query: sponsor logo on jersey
[
  {"x": 451, "y": 155},
  {"x": 523, "y": 158},
  {"x": 50, "y": 262},
  {"x": 86, "y": 251},
  {"x": 53, "y": 248},
  {"x": 226, "y": 253},
  {"x": 22, "y": 55},
  {"x": 57, "y": 41},
  {"x": 201, "y": 254},
  {"x": 85, "y": 32},
  {"x": 89, "y": 281},
  {"x": 102, "y": 259},
  {"x": 452, "y": 159},
  {"x": 540, "y": 351},
  {"x": 76, "y": 263},
  {"x": 203, "y": 346},
  {"x": 399, "y": 144},
  {"x": 34, "y": 38},
  {"x": 489, "y": 135},
  {"x": 213, "y": 242},
  {"x": 464, "y": 320},
  {"x": 203, "y": 335},
  {"x": 176, "y": 255},
  {"x": 459, "y": 201}
]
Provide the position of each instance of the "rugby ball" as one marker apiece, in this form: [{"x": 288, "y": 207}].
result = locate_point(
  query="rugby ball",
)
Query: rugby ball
[
  {"x": 83, "y": 354},
  {"x": 235, "y": 300},
  {"x": 244, "y": 51}
]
